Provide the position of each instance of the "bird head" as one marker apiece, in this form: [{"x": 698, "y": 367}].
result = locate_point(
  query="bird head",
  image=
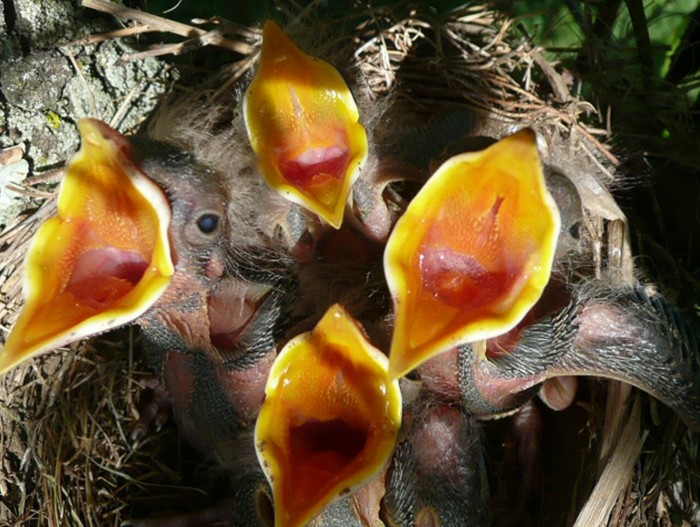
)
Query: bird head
[{"x": 103, "y": 259}]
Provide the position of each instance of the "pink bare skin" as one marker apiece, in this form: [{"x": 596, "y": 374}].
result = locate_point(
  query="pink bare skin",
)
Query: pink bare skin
[
  {"x": 437, "y": 477},
  {"x": 211, "y": 337}
]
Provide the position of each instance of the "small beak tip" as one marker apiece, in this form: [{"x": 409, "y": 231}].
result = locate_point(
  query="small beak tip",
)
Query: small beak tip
[{"x": 394, "y": 371}]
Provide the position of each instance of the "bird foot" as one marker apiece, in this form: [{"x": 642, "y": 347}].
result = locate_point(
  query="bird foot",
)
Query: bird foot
[{"x": 154, "y": 409}]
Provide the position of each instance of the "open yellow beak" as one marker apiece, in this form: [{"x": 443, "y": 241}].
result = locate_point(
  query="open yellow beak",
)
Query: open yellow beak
[
  {"x": 472, "y": 253},
  {"x": 302, "y": 123},
  {"x": 330, "y": 419},
  {"x": 103, "y": 259}
]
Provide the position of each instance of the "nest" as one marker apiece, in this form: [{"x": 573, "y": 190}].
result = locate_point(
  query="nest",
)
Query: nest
[{"x": 615, "y": 459}]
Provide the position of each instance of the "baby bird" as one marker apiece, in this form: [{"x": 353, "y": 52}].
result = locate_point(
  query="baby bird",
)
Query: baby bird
[
  {"x": 452, "y": 264},
  {"x": 630, "y": 334},
  {"x": 583, "y": 328},
  {"x": 437, "y": 476},
  {"x": 153, "y": 244}
]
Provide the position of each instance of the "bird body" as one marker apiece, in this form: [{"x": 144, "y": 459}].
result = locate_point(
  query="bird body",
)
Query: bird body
[
  {"x": 248, "y": 272},
  {"x": 631, "y": 334}
]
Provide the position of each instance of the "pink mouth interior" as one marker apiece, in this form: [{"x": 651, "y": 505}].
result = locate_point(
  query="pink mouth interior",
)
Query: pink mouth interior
[
  {"x": 230, "y": 314},
  {"x": 459, "y": 280},
  {"x": 315, "y": 166},
  {"x": 315, "y": 441},
  {"x": 102, "y": 276}
]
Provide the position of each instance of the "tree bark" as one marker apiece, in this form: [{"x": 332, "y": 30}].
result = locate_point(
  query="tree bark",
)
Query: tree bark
[{"x": 47, "y": 84}]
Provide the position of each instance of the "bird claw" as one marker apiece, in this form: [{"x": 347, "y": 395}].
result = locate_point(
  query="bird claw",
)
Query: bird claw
[{"x": 154, "y": 410}]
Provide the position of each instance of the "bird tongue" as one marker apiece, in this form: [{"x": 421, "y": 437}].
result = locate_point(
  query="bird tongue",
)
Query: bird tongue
[
  {"x": 317, "y": 170},
  {"x": 458, "y": 279},
  {"x": 103, "y": 259},
  {"x": 102, "y": 276}
]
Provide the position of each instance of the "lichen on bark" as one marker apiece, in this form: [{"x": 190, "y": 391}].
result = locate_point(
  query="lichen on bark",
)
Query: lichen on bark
[{"x": 47, "y": 84}]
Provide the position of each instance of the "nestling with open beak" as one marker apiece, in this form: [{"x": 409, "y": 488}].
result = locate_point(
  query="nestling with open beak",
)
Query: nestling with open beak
[
  {"x": 330, "y": 420},
  {"x": 459, "y": 290},
  {"x": 302, "y": 122},
  {"x": 472, "y": 253},
  {"x": 103, "y": 260},
  {"x": 300, "y": 128},
  {"x": 144, "y": 236}
]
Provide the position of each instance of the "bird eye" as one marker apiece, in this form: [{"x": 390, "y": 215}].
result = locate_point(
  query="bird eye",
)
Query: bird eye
[
  {"x": 208, "y": 223},
  {"x": 204, "y": 227},
  {"x": 575, "y": 230}
]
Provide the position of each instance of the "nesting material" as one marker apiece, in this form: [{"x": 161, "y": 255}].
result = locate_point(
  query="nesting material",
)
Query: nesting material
[{"x": 66, "y": 418}]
